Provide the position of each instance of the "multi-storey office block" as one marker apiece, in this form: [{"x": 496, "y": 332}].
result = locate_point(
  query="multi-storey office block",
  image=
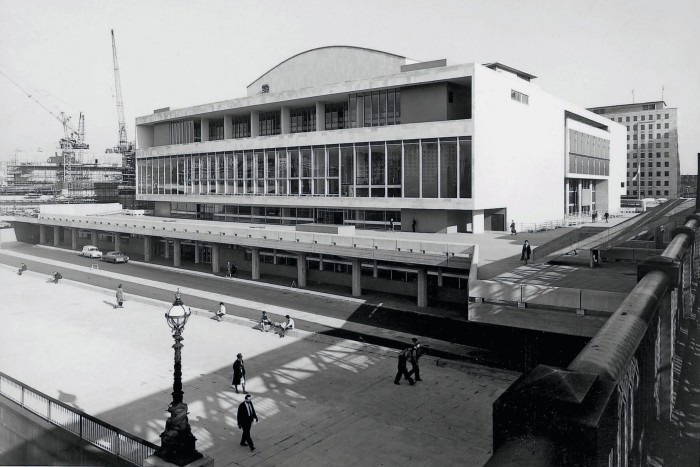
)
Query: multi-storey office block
[{"x": 653, "y": 164}]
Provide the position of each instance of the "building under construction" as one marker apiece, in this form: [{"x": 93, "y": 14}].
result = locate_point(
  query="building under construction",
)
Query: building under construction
[{"x": 72, "y": 175}]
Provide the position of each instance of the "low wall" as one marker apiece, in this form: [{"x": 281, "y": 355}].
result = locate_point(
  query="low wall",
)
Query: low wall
[
  {"x": 546, "y": 296},
  {"x": 327, "y": 228},
  {"x": 7, "y": 235},
  {"x": 79, "y": 209}
]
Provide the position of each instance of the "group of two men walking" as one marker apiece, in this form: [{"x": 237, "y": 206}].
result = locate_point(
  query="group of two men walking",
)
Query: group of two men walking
[{"x": 409, "y": 354}]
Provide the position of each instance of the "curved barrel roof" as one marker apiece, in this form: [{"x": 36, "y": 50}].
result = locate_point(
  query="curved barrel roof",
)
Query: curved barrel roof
[{"x": 327, "y": 65}]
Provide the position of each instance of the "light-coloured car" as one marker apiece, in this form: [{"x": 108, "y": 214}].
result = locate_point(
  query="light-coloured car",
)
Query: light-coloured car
[
  {"x": 115, "y": 257},
  {"x": 90, "y": 251}
]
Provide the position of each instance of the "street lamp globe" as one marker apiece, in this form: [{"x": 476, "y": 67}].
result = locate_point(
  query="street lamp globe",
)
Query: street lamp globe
[{"x": 178, "y": 315}]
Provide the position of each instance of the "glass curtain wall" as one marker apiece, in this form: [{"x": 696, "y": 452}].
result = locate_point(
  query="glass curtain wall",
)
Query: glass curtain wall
[{"x": 431, "y": 168}]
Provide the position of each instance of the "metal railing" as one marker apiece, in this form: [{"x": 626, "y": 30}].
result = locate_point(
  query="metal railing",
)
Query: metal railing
[{"x": 96, "y": 432}]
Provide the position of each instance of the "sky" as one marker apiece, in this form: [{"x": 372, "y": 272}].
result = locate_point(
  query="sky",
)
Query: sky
[{"x": 181, "y": 53}]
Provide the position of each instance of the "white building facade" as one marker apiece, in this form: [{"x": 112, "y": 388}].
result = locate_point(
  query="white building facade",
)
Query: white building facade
[{"x": 345, "y": 135}]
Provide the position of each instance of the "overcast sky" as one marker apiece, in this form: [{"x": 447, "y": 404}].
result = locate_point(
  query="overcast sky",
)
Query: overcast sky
[{"x": 178, "y": 53}]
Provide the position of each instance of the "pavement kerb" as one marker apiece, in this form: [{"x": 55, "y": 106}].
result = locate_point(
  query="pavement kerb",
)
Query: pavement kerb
[
  {"x": 297, "y": 333},
  {"x": 210, "y": 275}
]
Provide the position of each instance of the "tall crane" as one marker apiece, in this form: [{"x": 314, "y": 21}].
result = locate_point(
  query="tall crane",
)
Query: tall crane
[
  {"x": 127, "y": 188},
  {"x": 71, "y": 134},
  {"x": 123, "y": 140},
  {"x": 72, "y": 143}
]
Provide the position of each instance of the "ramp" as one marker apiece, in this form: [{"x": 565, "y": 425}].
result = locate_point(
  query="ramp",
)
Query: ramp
[{"x": 615, "y": 235}]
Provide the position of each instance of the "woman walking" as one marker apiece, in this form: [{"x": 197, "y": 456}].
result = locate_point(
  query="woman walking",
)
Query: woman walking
[
  {"x": 525, "y": 256},
  {"x": 239, "y": 374}
]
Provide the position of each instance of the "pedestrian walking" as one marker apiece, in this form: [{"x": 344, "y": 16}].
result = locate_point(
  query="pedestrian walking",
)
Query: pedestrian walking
[
  {"x": 606, "y": 216},
  {"x": 512, "y": 228},
  {"x": 413, "y": 224},
  {"x": 404, "y": 356},
  {"x": 228, "y": 268},
  {"x": 234, "y": 270},
  {"x": 391, "y": 224},
  {"x": 246, "y": 415},
  {"x": 415, "y": 370},
  {"x": 221, "y": 312},
  {"x": 238, "y": 373},
  {"x": 56, "y": 276},
  {"x": 525, "y": 256},
  {"x": 265, "y": 321},
  {"x": 288, "y": 325},
  {"x": 120, "y": 297},
  {"x": 593, "y": 216},
  {"x": 22, "y": 268},
  {"x": 294, "y": 284}
]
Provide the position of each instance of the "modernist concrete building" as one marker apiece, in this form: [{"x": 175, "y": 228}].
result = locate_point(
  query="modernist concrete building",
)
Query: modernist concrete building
[
  {"x": 353, "y": 136},
  {"x": 653, "y": 166}
]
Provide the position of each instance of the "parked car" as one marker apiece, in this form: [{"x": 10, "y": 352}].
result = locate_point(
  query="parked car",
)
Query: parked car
[
  {"x": 115, "y": 257},
  {"x": 90, "y": 251}
]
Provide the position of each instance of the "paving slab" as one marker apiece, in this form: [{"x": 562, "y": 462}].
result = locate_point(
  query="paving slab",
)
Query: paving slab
[{"x": 319, "y": 403}]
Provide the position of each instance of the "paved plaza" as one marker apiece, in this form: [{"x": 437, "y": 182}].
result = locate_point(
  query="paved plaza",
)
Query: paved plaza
[{"x": 319, "y": 403}]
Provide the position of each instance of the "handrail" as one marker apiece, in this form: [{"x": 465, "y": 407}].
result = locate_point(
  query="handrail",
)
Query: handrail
[
  {"x": 613, "y": 347},
  {"x": 101, "y": 434}
]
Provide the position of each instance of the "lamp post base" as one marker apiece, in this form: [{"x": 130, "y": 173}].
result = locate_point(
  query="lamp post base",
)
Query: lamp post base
[
  {"x": 155, "y": 461},
  {"x": 177, "y": 441}
]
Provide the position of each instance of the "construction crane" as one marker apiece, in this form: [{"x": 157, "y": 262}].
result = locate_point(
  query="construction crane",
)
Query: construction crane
[
  {"x": 123, "y": 140},
  {"x": 127, "y": 188},
  {"x": 75, "y": 138}
]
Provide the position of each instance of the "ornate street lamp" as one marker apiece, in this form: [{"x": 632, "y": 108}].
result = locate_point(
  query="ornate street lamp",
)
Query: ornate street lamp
[{"x": 177, "y": 441}]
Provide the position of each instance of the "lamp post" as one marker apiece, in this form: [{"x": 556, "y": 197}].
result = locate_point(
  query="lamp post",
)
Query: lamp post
[{"x": 177, "y": 441}]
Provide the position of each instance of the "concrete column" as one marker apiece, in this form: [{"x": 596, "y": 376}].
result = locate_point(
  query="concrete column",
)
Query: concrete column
[
  {"x": 204, "y": 126},
  {"x": 196, "y": 252},
  {"x": 664, "y": 375},
  {"x": 284, "y": 120},
  {"x": 477, "y": 221},
  {"x": 215, "y": 258},
  {"x": 255, "y": 264},
  {"x": 320, "y": 262},
  {"x": 301, "y": 270},
  {"x": 94, "y": 237},
  {"x": 320, "y": 116},
  {"x": 254, "y": 124},
  {"x": 177, "y": 253},
  {"x": 374, "y": 269},
  {"x": 74, "y": 238},
  {"x": 274, "y": 257},
  {"x": 592, "y": 262},
  {"x": 167, "y": 249},
  {"x": 439, "y": 277},
  {"x": 356, "y": 277},
  {"x": 228, "y": 126},
  {"x": 659, "y": 238},
  {"x": 422, "y": 288},
  {"x": 117, "y": 241},
  {"x": 56, "y": 235},
  {"x": 147, "y": 249},
  {"x": 42, "y": 234}
]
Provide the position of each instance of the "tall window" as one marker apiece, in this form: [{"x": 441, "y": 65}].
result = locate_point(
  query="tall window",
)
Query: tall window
[
  {"x": 337, "y": 116},
  {"x": 241, "y": 126},
  {"x": 302, "y": 119},
  {"x": 374, "y": 108},
  {"x": 269, "y": 123}
]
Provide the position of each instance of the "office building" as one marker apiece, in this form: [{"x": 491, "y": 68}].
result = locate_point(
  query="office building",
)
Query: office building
[{"x": 653, "y": 165}]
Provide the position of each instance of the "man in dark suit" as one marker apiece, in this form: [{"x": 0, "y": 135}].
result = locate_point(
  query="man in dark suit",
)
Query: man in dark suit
[{"x": 245, "y": 417}]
